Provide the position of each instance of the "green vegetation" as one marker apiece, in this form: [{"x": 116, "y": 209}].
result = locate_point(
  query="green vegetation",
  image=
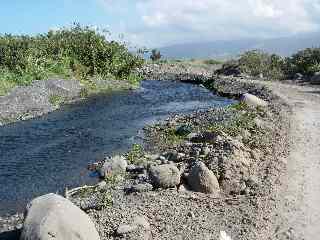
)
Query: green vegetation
[
  {"x": 135, "y": 155},
  {"x": 56, "y": 100},
  {"x": 243, "y": 120},
  {"x": 76, "y": 52},
  {"x": 211, "y": 62},
  {"x": 170, "y": 137},
  {"x": 306, "y": 62},
  {"x": 274, "y": 67},
  {"x": 257, "y": 62}
]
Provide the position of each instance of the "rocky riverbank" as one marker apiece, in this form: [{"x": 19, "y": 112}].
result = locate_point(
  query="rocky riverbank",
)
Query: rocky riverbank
[{"x": 197, "y": 176}]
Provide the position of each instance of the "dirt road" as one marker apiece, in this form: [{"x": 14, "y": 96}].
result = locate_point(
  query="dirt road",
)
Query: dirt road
[{"x": 300, "y": 199}]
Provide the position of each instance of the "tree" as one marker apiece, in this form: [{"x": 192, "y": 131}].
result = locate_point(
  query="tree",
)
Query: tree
[{"x": 155, "y": 55}]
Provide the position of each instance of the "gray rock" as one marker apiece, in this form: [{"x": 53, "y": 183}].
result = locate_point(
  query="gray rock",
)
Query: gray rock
[
  {"x": 205, "y": 151},
  {"x": 253, "y": 101},
  {"x": 165, "y": 176},
  {"x": 183, "y": 130},
  {"x": 152, "y": 157},
  {"x": 172, "y": 156},
  {"x": 102, "y": 185},
  {"x": 191, "y": 136},
  {"x": 54, "y": 217},
  {"x": 201, "y": 179},
  {"x": 114, "y": 165},
  {"x": 125, "y": 229},
  {"x": 135, "y": 169},
  {"x": 209, "y": 137},
  {"x": 141, "y": 187}
]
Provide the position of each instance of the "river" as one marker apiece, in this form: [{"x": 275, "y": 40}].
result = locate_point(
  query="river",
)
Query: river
[{"x": 52, "y": 152}]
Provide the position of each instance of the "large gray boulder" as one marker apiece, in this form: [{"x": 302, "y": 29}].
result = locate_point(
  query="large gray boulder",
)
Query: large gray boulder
[
  {"x": 54, "y": 217},
  {"x": 165, "y": 176},
  {"x": 202, "y": 179},
  {"x": 114, "y": 165},
  {"x": 252, "y": 100}
]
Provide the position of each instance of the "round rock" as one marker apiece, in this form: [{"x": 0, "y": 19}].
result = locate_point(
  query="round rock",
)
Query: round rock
[
  {"x": 165, "y": 176},
  {"x": 201, "y": 179},
  {"x": 54, "y": 217}
]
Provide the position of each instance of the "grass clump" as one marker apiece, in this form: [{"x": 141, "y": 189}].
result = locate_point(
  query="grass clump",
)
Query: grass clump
[
  {"x": 135, "y": 155},
  {"x": 78, "y": 52},
  {"x": 56, "y": 100},
  {"x": 243, "y": 120}
]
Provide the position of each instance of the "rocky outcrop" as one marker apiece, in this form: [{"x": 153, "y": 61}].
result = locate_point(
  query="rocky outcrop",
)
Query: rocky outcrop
[
  {"x": 54, "y": 217},
  {"x": 165, "y": 176},
  {"x": 201, "y": 179}
]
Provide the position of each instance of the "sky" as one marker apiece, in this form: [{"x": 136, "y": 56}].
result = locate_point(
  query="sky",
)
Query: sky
[{"x": 154, "y": 23}]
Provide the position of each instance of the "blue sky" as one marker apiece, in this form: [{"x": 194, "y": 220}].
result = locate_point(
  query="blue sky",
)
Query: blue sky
[{"x": 161, "y": 22}]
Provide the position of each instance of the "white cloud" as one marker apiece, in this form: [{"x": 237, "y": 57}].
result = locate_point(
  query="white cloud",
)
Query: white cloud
[{"x": 167, "y": 21}]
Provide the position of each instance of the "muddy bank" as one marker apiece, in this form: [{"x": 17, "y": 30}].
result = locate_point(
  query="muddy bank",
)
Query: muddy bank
[{"x": 242, "y": 146}]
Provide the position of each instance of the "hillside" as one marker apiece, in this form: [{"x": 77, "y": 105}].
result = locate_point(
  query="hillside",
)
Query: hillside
[{"x": 284, "y": 46}]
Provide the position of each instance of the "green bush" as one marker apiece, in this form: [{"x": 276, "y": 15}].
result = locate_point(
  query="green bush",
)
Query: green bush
[
  {"x": 306, "y": 62},
  {"x": 77, "y": 51},
  {"x": 212, "y": 62},
  {"x": 257, "y": 62}
]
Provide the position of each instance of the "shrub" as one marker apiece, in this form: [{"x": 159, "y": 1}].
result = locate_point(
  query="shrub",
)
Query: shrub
[
  {"x": 306, "y": 62},
  {"x": 257, "y": 62},
  {"x": 212, "y": 62},
  {"x": 78, "y": 51}
]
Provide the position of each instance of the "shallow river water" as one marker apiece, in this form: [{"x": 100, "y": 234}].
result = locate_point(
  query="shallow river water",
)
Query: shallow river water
[{"x": 52, "y": 152}]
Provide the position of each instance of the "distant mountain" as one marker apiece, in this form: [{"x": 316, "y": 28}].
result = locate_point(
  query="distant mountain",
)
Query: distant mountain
[{"x": 284, "y": 46}]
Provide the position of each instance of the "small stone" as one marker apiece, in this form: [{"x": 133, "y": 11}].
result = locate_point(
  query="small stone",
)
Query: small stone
[
  {"x": 135, "y": 169},
  {"x": 181, "y": 155},
  {"x": 142, "y": 187},
  {"x": 172, "y": 156},
  {"x": 183, "y": 130},
  {"x": 102, "y": 185},
  {"x": 205, "y": 151},
  {"x": 152, "y": 157},
  {"x": 191, "y": 215},
  {"x": 125, "y": 228}
]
